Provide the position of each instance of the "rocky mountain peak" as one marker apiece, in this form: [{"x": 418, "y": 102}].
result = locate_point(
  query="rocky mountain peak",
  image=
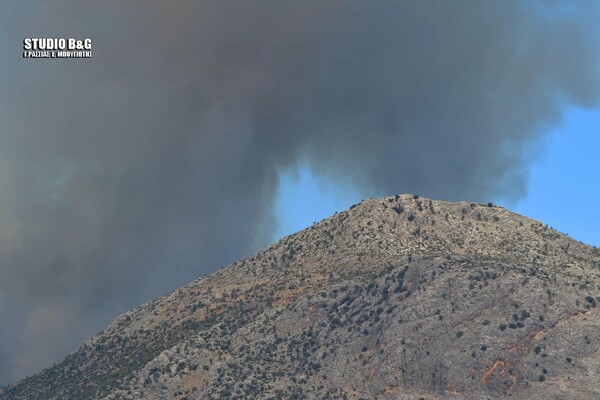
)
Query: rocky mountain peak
[{"x": 396, "y": 298}]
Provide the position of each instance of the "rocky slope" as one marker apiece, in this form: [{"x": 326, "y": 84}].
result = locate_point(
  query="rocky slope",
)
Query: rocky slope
[{"x": 396, "y": 298}]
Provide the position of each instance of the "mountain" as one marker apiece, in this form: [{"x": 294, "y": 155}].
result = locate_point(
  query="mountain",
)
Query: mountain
[{"x": 395, "y": 298}]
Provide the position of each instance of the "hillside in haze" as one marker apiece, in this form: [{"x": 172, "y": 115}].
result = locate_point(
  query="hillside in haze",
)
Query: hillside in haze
[{"x": 395, "y": 298}]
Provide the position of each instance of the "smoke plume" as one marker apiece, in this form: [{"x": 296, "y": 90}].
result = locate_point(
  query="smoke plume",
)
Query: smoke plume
[{"x": 156, "y": 161}]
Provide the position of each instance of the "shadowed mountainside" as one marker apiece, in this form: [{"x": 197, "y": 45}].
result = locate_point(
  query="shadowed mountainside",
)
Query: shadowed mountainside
[{"x": 395, "y": 298}]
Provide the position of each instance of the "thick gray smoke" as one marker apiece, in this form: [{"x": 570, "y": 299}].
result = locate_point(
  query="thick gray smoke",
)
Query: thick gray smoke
[{"x": 124, "y": 176}]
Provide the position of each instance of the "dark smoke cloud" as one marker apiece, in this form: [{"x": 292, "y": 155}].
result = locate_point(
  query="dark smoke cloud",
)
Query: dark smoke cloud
[{"x": 155, "y": 162}]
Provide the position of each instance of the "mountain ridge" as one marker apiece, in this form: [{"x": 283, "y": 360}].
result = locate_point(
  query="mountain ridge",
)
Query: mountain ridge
[{"x": 401, "y": 253}]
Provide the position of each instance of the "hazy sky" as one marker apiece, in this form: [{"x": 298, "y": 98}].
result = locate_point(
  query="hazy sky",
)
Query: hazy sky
[{"x": 164, "y": 157}]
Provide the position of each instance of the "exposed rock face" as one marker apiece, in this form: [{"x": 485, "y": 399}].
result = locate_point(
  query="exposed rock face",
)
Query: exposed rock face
[{"x": 396, "y": 298}]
